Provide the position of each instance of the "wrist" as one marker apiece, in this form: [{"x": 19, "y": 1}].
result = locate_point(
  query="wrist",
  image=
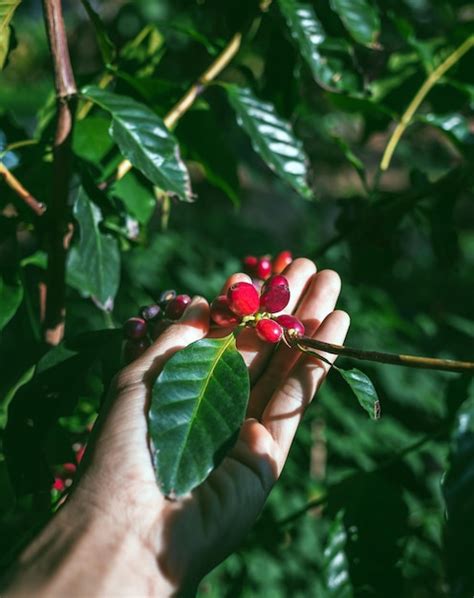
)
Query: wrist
[{"x": 84, "y": 552}]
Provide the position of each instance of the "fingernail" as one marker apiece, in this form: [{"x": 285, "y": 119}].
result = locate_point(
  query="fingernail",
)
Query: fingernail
[{"x": 195, "y": 310}]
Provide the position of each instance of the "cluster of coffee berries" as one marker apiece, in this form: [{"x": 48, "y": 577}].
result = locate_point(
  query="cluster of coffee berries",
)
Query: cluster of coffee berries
[
  {"x": 261, "y": 268},
  {"x": 64, "y": 474},
  {"x": 248, "y": 306},
  {"x": 139, "y": 331}
]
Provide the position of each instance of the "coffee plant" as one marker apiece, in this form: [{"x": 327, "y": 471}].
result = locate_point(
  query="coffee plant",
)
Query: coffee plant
[{"x": 150, "y": 149}]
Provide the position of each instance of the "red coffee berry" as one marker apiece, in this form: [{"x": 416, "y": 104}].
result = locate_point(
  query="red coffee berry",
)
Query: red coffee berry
[
  {"x": 269, "y": 330},
  {"x": 135, "y": 328},
  {"x": 69, "y": 468},
  {"x": 264, "y": 268},
  {"x": 150, "y": 312},
  {"x": 276, "y": 280},
  {"x": 250, "y": 265},
  {"x": 133, "y": 349},
  {"x": 292, "y": 324},
  {"x": 80, "y": 452},
  {"x": 59, "y": 484},
  {"x": 175, "y": 308},
  {"x": 243, "y": 298},
  {"x": 281, "y": 261},
  {"x": 221, "y": 312},
  {"x": 275, "y": 294}
]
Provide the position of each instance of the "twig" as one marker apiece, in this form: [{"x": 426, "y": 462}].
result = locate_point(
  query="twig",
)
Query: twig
[
  {"x": 432, "y": 79},
  {"x": 412, "y": 361},
  {"x": 66, "y": 92},
  {"x": 14, "y": 184},
  {"x": 193, "y": 92}
]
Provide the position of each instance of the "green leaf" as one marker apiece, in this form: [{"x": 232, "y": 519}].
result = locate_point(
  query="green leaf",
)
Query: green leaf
[
  {"x": 198, "y": 405},
  {"x": 137, "y": 197},
  {"x": 336, "y": 578},
  {"x": 310, "y": 37},
  {"x": 91, "y": 139},
  {"x": 145, "y": 141},
  {"x": 8, "y": 397},
  {"x": 364, "y": 390},
  {"x": 7, "y": 9},
  {"x": 458, "y": 490},
  {"x": 454, "y": 125},
  {"x": 272, "y": 137},
  {"x": 360, "y": 18},
  {"x": 11, "y": 296},
  {"x": 94, "y": 262},
  {"x": 107, "y": 48}
]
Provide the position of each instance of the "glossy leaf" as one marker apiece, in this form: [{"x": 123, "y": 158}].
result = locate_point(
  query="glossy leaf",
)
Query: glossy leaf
[
  {"x": 364, "y": 390},
  {"x": 7, "y": 9},
  {"x": 137, "y": 197},
  {"x": 11, "y": 296},
  {"x": 198, "y": 405},
  {"x": 144, "y": 140},
  {"x": 454, "y": 125},
  {"x": 360, "y": 18},
  {"x": 458, "y": 490},
  {"x": 272, "y": 137},
  {"x": 310, "y": 38},
  {"x": 106, "y": 46},
  {"x": 336, "y": 578},
  {"x": 94, "y": 261}
]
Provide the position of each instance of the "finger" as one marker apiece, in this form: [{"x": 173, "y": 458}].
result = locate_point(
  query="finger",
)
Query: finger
[
  {"x": 319, "y": 301},
  {"x": 193, "y": 325},
  {"x": 285, "y": 410}
]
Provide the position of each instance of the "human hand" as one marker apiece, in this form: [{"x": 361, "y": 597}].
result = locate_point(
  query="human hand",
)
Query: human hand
[{"x": 186, "y": 538}]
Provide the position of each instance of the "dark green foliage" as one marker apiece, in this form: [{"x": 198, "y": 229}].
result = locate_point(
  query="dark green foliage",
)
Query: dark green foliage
[{"x": 333, "y": 78}]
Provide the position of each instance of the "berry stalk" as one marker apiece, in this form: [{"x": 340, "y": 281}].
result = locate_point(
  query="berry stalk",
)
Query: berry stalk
[{"x": 307, "y": 345}]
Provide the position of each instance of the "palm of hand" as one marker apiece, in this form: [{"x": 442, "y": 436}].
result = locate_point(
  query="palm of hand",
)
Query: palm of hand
[{"x": 191, "y": 535}]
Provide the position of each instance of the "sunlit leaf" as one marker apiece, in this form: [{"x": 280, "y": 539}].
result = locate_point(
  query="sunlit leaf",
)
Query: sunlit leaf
[
  {"x": 198, "y": 405},
  {"x": 360, "y": 18},
  {"x": 106, "y": 46},
  {"x": 364, "y": 390},
  {"x": 144, "y": 140},
  {"x": 7, "y": 9},
  {"x": 336, "y": 581},
  {"x": 94, "y": 261},
  {"x": 328, "y": 70},
  {"x": 272, "y": 137}
]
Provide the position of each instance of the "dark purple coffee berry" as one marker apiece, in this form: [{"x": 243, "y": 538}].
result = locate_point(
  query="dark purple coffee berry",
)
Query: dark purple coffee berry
[
  {"x": 150, "y": 312},
  {"x": 175, "y": 308},
  {"x": 134, "y": 328},
  {"x": 166, "y": 297}
]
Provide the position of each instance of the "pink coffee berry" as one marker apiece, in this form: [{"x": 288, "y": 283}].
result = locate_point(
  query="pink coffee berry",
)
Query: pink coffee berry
[
  {"x": 135, "y": 328},
  {"x": 292, "y": 324},
  {"x": 243, "y": 298},
  {"x": 282, "y": 260},
  {"x": 275, "y": 294},
  {"x": 175, "y": 308},
  {"x": 264, "y": 268},
  {"x": 269, "y": 330},
  {"x": 250, "y": 265},
  {"x": 221, "y": 313}
]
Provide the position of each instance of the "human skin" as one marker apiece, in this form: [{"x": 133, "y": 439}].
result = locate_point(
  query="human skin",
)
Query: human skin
[{"x": 116, "y": 534}]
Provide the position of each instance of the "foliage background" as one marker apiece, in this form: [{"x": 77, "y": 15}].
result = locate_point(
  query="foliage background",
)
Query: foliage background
[{"x": 404, "y": 249}]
